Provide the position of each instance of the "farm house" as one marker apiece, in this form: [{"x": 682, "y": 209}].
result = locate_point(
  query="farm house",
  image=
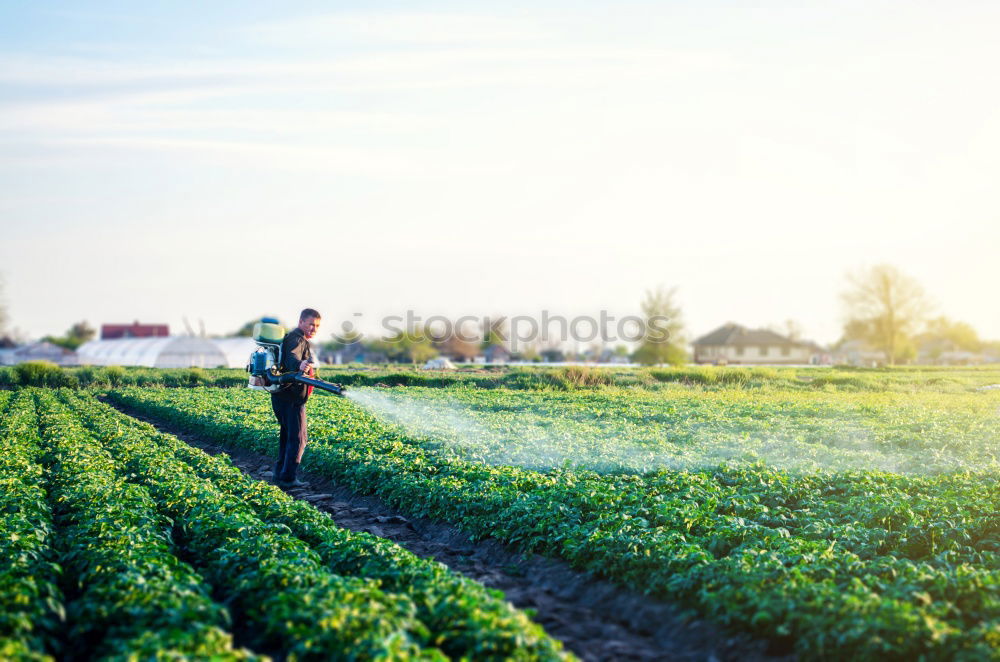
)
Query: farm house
[{"x": 169, "y": 352}]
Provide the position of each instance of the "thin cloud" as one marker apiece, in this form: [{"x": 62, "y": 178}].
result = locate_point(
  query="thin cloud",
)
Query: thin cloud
[
  {"x": 77, "y": 98},
  {"x": 382, "y": 28},
  {"x": 276, "y": 156},
  {"x": 102, "y": 115},
  {"x": 45, "y": 71}
]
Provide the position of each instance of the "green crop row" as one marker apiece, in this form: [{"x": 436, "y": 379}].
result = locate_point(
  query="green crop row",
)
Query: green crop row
[
  {"x": 456, "y": 615},
  {"x": 277, "y": 586},
  {"x": 129, "y": 595},
  {"x": 31, "y": 608},
  {"x": 911, "y": 379},
  {"x": 858, "y": 564},
  {"x": 127, "y": 503},
  {"x": 615, "y": 430},
  {"x": 44, "y": 374}
]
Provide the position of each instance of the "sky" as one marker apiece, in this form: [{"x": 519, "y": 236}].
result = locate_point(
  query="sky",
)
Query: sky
[{"x": 216, "y": 161}]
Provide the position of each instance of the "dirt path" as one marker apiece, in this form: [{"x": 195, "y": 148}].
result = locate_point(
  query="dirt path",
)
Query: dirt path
[{"x": 594, "y": 618}]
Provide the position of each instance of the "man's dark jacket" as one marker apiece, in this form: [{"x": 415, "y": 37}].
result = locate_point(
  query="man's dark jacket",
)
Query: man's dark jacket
[{"x": 294, "y": 350}]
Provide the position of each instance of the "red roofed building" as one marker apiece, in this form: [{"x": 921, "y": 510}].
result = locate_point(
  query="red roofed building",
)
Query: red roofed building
[{"x": 133, "y": 330}]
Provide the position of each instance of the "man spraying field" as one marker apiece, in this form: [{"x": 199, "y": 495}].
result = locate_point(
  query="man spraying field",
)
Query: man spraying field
[{"x": 289, "y": 401}]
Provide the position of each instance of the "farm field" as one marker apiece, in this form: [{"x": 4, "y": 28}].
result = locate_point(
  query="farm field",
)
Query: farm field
[
  {"x": 117, "y": 542},
  {"x": 904, "y": 379},
  {"x": 835, "y": 521},
  {"x": 683, "y": 428}
]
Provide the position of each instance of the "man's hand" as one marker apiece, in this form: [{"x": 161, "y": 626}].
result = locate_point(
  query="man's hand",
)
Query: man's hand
[{"x": 305, "y": 368}]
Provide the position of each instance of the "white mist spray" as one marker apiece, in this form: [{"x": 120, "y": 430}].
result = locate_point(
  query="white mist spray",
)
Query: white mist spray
[{"x": 519, "y": 435}]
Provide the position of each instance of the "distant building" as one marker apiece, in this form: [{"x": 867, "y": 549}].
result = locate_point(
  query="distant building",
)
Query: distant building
[
  {"x": 439, "y": 363},
  {"x": 134, "y": 330},
  {"x": 353, "y": 352},
  {"x": 496, "y": 354},
  {"x": 38, "y": 351},
  {"x": 169, "y": 352},
  {"x": 733, "y": 344},
  {"x": 609, "y": 356},
  {"x": 946, "y": 352},
  {"x": 858, "y": 353}
]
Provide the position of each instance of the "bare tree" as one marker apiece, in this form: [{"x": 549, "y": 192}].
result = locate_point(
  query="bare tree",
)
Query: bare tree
[{"x": 885, "y": 306}]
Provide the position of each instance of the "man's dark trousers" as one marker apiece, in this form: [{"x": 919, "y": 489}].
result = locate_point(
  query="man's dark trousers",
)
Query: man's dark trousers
[{"x": 291, "y": 417}]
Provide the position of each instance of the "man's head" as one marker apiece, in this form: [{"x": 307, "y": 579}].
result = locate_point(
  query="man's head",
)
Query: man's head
[{"x": 309, "y": 320}]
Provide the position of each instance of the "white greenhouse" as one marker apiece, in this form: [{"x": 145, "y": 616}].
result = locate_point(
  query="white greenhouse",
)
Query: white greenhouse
[{"x": 168, "y": 352}]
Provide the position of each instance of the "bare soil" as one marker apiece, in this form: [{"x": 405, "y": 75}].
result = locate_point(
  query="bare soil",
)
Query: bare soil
[{"x": 594, "y": 618}]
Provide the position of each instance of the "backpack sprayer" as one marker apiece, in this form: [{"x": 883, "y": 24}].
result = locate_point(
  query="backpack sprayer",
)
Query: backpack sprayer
[{"x": 264, "y": 362}]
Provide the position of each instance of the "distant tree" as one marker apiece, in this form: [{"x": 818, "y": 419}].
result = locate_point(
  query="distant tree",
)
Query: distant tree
[
  {"x": 495, "y": 331},
  {"x": 346, "y": 337},
  {"x": 553, "y": 355},
  {"x": 420, "y": 352},
  {"x": 944, "y": 335},
  {"x": 991, "y": 347},
  {"x": 906, "y": 350},
  {"x": 4, "y": 317},
  {"x": 529, "y": 353},
  {"x": 78, "y": 334},
  {"x": 246, "y": 330},
  {"x": 663, "y": 341},
  {"x": 457, "y": 348},
  {"x": 594, "y": 352},
  {"x": 961, "y": 335},
  {"x": 413, "y": 345},
  {"x": 857, "y": 329},
  {"x": 82, "y": 332},
  {"x": 459, "y": 344},
  {"x": 884, "y": 307},
  {"x": 347, "y": 342},
  {"x": 384, "y": 347}
]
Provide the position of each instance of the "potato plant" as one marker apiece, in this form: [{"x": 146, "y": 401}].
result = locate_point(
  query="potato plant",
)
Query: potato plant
[
  {"x": 31, "y": 604},
  {"x": 861, "y": 563},
  {"x": 128, "y": 592},
  {"x": 98, "y": 509},
  {"x": 460, "y": 617}
]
